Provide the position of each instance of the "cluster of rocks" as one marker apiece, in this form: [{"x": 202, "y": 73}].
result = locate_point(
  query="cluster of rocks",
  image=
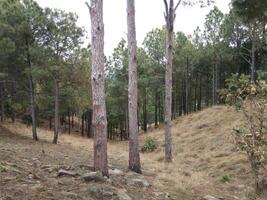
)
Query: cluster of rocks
[{"x": 100, "y": 190}]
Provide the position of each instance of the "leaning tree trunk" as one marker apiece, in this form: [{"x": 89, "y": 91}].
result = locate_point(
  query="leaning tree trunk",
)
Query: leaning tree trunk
[
  {"x": 98, "y": 87},
  {"x": 32, "y": 99},
  {"x": 56, "y": 126},
  {"x": 134, "y": 157}
]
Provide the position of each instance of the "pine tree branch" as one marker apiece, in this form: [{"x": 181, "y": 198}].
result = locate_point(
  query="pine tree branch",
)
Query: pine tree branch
[
  {"x": 166, "y": 8},
  {"x": 246, "y": 49},
  {"x": 177, "y": 5},
  {"x": 247, "y": 60},
  {"x": 88, "y": 6}
]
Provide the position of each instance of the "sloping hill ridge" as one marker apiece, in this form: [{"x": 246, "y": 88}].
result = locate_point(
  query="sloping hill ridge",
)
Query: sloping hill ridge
[{"x": 205, "y": 160}]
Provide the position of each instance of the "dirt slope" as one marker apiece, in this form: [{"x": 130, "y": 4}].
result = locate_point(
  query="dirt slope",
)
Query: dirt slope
[{"x": 205, "y": 161}]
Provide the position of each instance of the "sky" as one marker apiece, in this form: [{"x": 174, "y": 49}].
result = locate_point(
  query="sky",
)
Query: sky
[{"x": 149, "y": 15}]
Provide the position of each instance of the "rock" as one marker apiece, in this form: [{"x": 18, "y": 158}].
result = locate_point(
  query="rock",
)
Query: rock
[
  {"x": 94, "y": 176},
  {"x": 163, "y": 195},
  {"x": 122, "y": 195},
  {"x": 65, "y": 181},
  {"x": 50, "y": 168},
  {"x": 108, "y": 192},
  {"x": 63, "y": 172},
  {"x": 138, "y": 182},
  {"x": 209, "y": 197},
  {"x": 37, "y": 186},
  {"x": 95, "y": 192},
  {"x": 71, "y": 195},
  {"x": 30, "y": 176},
  {"x": 115, "y": 172},
  {"x": 100, "y": 192}
]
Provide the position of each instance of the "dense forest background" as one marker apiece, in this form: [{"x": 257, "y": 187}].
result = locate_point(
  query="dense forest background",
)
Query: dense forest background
[{"x": 45, "y": 67}]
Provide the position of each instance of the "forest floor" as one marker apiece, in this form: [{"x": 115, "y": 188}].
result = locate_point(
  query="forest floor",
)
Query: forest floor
[{"x": 206, "y": 162}]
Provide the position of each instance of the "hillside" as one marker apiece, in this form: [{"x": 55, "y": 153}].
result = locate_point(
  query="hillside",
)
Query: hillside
[{"x": 205, "y": 163}]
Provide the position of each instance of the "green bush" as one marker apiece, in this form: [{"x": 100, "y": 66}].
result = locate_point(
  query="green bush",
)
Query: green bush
[
  {"x": 225, "y": 178},
  {"x": 2, "y": 168},
  {"x": 250, "y": 98},
  {"x": 150, "y": 145}
]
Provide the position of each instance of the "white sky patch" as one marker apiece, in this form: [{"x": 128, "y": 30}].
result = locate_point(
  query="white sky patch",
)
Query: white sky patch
[{"x": 149, "y": 15}]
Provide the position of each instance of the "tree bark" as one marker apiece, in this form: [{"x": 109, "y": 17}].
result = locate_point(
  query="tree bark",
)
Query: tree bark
[
  {"x": 69, "y": 121},
  {"x": 98, "y": 87},
  {"x": 56, "y": 125},
  {"x": 145, "y": 111},
  {"x": 200, "y": 93},
  {"x": 2, "y": 102},
  {"x": 50, "y": 123},
  {"x": 156, "y": 109},
  {"x": 159, "y": 108},
  {"x": 252, "y": 66},
  {"x": 187, "y": 86},
  {"x": 169, "y": 18},
  {"x": 72, "y": 120},
  {"x": 214, "y": 84},
  {"x": 134, "y": 157},
  {"x": 82, "y": 125},
  {"x": 31, "y": 91},
  {"x": 127, "y": 124}
]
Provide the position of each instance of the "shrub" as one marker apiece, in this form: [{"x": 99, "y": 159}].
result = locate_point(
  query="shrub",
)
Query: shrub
[
  {"x": 250, "y": 98},
  {"x": 2, "y": 168},
  {"x": 225, "y": 178},
  {"x": 149, "y": 146}
]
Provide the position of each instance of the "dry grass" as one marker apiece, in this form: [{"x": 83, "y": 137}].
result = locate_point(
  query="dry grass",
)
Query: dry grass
[
  {"x": 205, "y": 160},
  {"x": 203, "y": 154}
]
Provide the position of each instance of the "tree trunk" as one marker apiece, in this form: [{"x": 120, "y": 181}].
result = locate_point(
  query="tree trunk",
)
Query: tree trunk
[
  {"x": 187, "y": 86},
  {"x": 82, "y": 125},
  {"x": 2, "y": 102},
  {"x": 208, "y": 92},
  {"x": 195, "y": 97},
  {"x": 213, "y": 84},
  {"x": 156, "y": 109},
  {"x": 134, "y": 157},
  {"x": 72, "y": 121},
  {"x": 200, "y": 93},
  {"x": 56, "y": 125},
  {"x": 69, "y": 122},
  {"x": 98, "y": 87},
  {"x": 127, "y": 124},
  {"x": 159, "y": 107},
  {"x": 252, "y": 67},
  {"x": 169, "y": 17},
  {"x": 31, "y": 90},
  {"x": 174, "y": 94},
  {"x": 189, "y": 91},
  {"x": 145, "y": 112},
  {"x": 50, "y": 123},
  {"x": 90, "y": 123}
]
